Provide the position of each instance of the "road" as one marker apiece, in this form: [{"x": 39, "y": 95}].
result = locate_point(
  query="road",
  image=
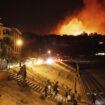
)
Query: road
[
  {"x": 39, "y": 74},
  {"x": 92, "y": 85}
]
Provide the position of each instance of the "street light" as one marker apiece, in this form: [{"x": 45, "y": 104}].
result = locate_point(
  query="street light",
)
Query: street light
[
  {"x": 49, "y": 51},
  {"x": 19, "y": 42}
]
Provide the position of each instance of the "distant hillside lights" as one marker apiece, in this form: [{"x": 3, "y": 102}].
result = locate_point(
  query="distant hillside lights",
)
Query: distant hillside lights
[
  {"x": 101, "y": 42},
  {"x": 100, "y": 54}
]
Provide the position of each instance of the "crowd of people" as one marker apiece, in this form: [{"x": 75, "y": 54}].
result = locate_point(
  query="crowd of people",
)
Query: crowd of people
[{"x": 52, "y": 90}]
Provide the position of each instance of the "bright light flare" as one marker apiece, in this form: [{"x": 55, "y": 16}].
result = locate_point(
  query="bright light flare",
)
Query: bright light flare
[
  {"x": 49, "y": 61},
  {"x": 39, "y": 61},
  {"x": 29, "y": 63},
  {"x": 13, "y": 65},
  {"x": 49, "y": 51},
  {"x": 19, "y": 42}
]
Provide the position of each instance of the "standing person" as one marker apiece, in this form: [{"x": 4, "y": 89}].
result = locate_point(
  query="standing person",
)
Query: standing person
[
  {"x": 46, "y": 89},
  {"x": 75, "y": 102},
  {"x": 49, "y": 88},
  {"x": 65, "y": 94},
  {"x": 69, "y": 96},
  {"x": 22, "y": 72},
  {"x": 93, "y": 98},
  {"x": 77, "y": 96},
  {"x": 55, "y": 89},
  {"x": 20, "y": 64},
  {"x": 45, "y": 92},
  {"x": 59, "y": 99}
]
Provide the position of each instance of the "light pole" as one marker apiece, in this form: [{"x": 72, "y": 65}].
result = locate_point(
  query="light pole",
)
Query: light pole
[
  {"x": 19, "y": 43},
  {"x": 75, "y": 85},
  {"x": 77, "y": 74}
]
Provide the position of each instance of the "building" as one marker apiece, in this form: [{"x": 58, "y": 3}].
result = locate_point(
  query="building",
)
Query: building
[
  {"x": 1, "y": 30},
  {"x": 15, "y": 36}
]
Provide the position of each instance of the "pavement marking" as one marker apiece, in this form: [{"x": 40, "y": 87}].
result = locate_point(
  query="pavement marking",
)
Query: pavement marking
[{"x": 35, "y": 86}]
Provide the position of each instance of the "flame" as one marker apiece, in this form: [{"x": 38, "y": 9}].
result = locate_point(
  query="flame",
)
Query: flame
[
  {"x": 74, "y": 27},
  {"x": 90, "y": 20}
]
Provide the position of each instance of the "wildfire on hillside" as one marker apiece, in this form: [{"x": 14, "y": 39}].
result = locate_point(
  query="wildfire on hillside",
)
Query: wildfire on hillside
[
  {"x": 75, "y": 27},
  {"x": 90, "y": 20}
]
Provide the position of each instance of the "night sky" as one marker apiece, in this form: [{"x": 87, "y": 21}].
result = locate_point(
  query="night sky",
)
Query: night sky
[{"x": 38, "y": 16}]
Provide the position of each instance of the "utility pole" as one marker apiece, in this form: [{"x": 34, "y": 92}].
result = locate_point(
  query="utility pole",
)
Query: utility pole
[
  {"x": 0, "y": 49},
  {"x": 75, "y": 84},
  {"x": 75, "y": 79}
]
